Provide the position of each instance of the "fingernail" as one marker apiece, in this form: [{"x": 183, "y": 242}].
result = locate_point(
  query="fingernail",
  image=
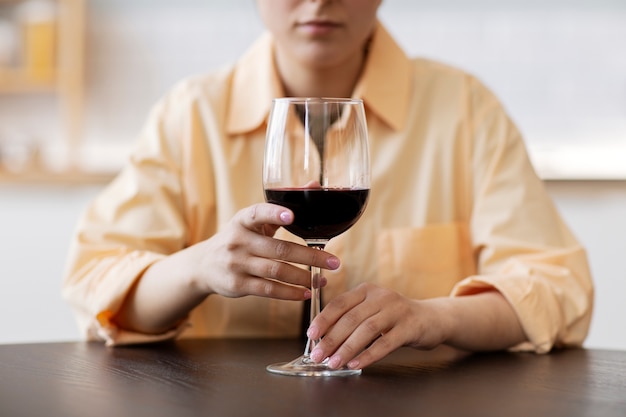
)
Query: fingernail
[
  {"x": 285, "y": 216},
  {"x": 312, "y": 333},
  {"x": 353, "y": 364},
  {"x": 333, "y": 262},
  {"x": 317, "y": 355},
  {"x": 307, "y": 294},
  {"x": 334, "y": 362}
]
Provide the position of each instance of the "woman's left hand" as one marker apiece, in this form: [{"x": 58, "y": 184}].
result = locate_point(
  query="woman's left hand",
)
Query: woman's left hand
[{"x": 364, "y": 325}]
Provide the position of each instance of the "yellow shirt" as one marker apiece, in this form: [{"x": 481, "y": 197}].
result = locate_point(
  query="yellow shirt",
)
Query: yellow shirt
[{"x": 455, "y": 206}]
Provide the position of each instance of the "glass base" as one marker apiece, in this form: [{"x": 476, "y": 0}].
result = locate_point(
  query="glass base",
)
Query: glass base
[{"x": 303, "y": 366}]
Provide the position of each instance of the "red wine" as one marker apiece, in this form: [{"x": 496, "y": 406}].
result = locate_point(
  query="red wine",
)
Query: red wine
[{"x": 320, "y": 213}]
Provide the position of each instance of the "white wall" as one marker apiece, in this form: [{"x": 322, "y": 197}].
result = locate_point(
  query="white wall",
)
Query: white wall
[
  {"x": 36, "y": 223},
  {"x": 596, "y": 212},
  {"x": 557, "y": 65}
]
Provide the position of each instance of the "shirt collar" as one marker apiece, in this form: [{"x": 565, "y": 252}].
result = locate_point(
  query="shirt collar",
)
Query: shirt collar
[{"x": 384, "y": 85}]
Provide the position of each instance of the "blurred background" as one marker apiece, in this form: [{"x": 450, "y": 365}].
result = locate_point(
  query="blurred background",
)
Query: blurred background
[{"x": 78, "y": 78}]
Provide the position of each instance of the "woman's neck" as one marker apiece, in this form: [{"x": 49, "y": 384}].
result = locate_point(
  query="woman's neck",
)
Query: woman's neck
[{"x": 300, "y": 80}]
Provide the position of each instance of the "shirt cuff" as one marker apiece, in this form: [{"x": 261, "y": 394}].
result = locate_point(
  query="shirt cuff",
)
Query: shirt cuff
[
  {"x": 113, "y": 335},
  {"x": 528, "y": 298}
]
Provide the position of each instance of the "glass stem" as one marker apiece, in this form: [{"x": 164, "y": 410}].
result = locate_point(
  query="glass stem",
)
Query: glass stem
[{"x": 316, "y": 275}]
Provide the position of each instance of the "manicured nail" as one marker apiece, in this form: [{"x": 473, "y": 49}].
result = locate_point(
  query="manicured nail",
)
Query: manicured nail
[
  {"x": 317, "y": 355},
  {"x": 354, "y": 364},
  {"x": 286, "y": 217},
  {"x": 333, "y": 262},
  {"x": 313, "y": 333},
  {"x": 307, "y": 294},
  {"x": 334, "y": 362}
]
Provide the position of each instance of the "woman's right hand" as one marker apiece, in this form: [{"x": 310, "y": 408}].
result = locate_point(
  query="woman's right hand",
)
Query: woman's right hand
[
  {"x": 241, "y": 259},
  {"x": 245, "y": 259}
]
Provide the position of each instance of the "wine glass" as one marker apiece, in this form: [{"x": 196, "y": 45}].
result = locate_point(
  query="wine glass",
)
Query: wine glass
[{"x": 316, "y": 164}]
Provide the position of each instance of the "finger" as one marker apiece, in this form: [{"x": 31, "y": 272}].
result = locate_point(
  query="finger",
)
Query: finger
[
  {"x": 313, "y": 185},
  {"x": 277, "y": 270},
  {"x": 378, "y": 349},
  {"x": 270, "y": 248},
  {"x": 352, "y": 333},
  {"x": 334, "y": 311},
  {"x": 282, "y": 271},
  {"x": 273, "y": 289},
  {"x": 258, "y": 215}
]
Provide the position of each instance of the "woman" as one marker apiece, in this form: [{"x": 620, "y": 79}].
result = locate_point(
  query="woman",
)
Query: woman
[{"x": 459, "y": 245}]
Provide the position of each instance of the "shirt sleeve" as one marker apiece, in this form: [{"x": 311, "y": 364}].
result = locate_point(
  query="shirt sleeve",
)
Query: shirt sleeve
[
  {"x": 525, "y": 251},
  {"x": 134, "y": 222}
]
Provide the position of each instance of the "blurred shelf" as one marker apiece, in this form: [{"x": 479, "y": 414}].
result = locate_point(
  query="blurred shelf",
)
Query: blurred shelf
[
  {"x": 68, "y": 177},
  {"x": 18, "y": 81},
  {"x": 50, "y": 57},
  {"x": 90, "y": 163}
]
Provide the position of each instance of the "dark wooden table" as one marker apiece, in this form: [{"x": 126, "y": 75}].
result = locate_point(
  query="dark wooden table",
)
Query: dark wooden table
[{"x": 228, "y": 378}]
